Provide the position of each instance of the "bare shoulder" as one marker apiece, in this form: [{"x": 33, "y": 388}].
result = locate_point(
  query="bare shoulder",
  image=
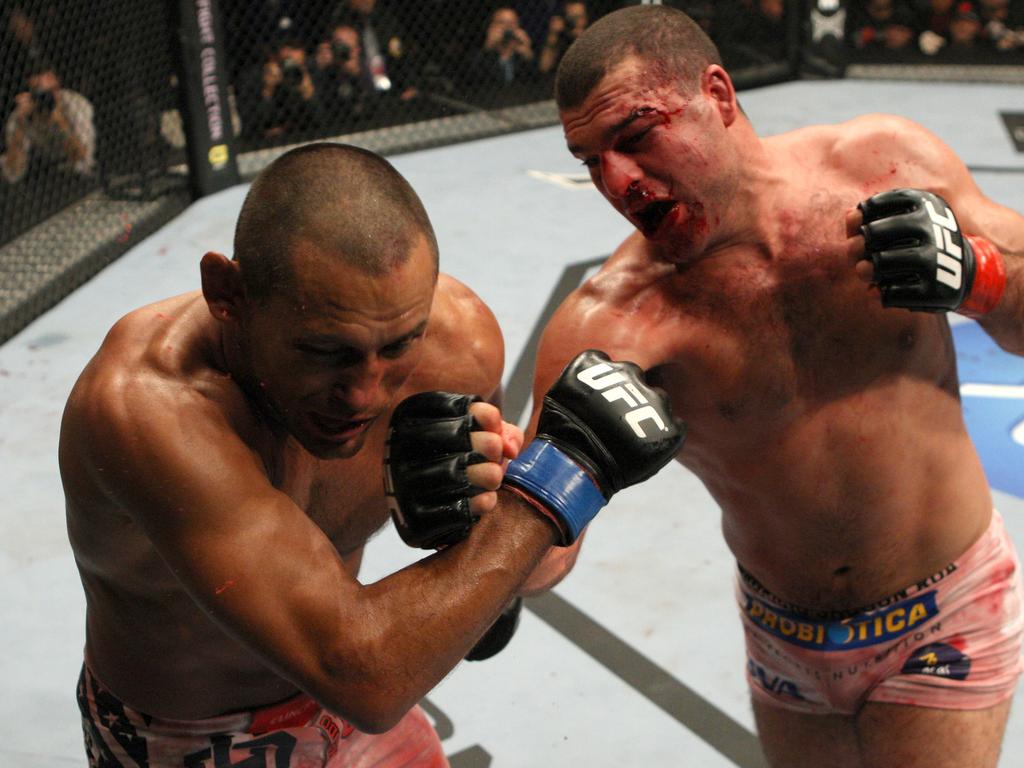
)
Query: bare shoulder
[
  {"x": 890, "y": 151},
  {"x": 609, "y": 312},
  {"x": 136, "y": 398},
  {"x": 465, "y": 349}
]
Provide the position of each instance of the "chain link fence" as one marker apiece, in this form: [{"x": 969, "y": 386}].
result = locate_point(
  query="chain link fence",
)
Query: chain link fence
[
  {"x": 82, "y": 89},
  {"x": 94, "y": 153}
]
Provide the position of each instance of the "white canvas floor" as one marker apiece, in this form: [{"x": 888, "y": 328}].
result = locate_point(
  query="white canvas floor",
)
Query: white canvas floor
[{"x": 635, "y": 660}]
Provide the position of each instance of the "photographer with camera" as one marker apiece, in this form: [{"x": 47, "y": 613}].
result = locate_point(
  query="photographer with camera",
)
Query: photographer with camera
[
  {"x": 281, "y": 98},
  {"x": 563, "y": 29},
  {"x": 507, "y": 54},
  {"x": 339, "y": 76},
  {"x": 50, "y": 129}
]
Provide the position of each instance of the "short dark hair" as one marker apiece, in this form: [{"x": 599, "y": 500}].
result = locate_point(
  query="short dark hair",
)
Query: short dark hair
[
  {"x": 349, "y": 201},
  {"x": 666, "y": 37}
]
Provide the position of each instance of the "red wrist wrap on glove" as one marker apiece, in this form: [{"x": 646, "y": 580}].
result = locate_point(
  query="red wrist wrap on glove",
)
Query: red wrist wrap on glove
[{"x": 989, "y": 279}]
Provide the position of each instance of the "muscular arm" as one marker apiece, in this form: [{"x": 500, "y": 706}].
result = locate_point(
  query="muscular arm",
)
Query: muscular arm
[
  {"x": 1004, "y": 227},
  {"x": 269, "y": 577},
  {"x": 918, "y": 158},
  {"x": 576, "y": 325},
  {"x": 467, "y": 324}
]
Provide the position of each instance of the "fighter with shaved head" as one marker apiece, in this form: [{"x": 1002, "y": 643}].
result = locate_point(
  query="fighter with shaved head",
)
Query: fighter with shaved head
[
  {"x": 769, "y": 288},
  {"x": 222, "y": 457}
]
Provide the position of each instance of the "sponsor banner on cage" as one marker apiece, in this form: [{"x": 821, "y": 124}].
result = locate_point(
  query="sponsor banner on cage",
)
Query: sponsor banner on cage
[{"x": 205, "y": 108}]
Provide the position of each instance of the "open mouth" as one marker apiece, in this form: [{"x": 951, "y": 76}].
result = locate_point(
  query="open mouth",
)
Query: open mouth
[
  {"x": 650, "y": 217},
  {"x": 339, "y": 428}
]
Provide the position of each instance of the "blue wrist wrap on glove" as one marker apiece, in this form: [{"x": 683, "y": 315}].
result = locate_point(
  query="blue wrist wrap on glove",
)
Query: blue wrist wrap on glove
[{"x": 560, "y": 484}]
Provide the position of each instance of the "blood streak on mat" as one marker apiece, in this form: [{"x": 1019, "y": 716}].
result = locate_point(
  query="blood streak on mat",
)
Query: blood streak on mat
[{"x": 224, "y": 587}]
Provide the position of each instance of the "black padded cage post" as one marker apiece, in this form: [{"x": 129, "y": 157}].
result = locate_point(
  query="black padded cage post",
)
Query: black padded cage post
[{"x": 203, "y": 95}]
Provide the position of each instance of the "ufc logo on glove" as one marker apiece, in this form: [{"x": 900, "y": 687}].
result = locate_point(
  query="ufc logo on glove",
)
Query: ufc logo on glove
[
  {"x": 583, "y": 451},
  {"x": 950, "y": 256},
  {"x": 601, "y": 376},
  {"x": 922, "y": 260}
]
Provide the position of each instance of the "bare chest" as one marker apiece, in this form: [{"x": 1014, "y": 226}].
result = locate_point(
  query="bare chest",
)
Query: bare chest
[
  {"x": 763, "y": 342},
  {"x": 343, "y": 497}
]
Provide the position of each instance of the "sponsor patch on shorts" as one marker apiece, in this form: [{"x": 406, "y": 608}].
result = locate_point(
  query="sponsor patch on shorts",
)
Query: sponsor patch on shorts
[
  {"x": 773, "y": 683},
  {"x": 870, "y": 628},
  {"x": 938, "y": 660}
]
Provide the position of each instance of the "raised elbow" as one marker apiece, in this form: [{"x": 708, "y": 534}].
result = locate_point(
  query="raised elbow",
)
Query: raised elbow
[
  {"x": 373, "y": 714},
  {"x": 365, "y": 690}
]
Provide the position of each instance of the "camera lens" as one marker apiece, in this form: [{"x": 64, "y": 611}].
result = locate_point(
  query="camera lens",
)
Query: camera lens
[
  {"x": 43, "y": 100},
  {"x": 291, "y": 72},
  {"x": 509, "y": 36},
  {"x": 342, "y": 51}
]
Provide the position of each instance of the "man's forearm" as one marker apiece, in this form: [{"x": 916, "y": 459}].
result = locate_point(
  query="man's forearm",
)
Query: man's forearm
[{"x": 414, "y": 626}]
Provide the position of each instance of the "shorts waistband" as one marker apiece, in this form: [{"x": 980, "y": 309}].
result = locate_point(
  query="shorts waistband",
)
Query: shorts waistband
[
  {"x": 293, "y": 712},
  {"x": 751, "y": 584},
  {"x": 979, "y": 549}
]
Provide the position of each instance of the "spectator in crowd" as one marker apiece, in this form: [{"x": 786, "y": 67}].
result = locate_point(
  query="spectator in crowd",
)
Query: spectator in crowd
[
  {"x": 964, "y": 28},
  {"x": 339, "y": 76},
  {"x": 884, "y": 25},
  {"x": 565, "y": 25},
  {"x": 279, "y": 96},
  {"x": 50, "y": 130},
  {"x": 506, "y": 56},
  {"x": 1001, "y": 29},
  {"x": 933, "y": 22},
  {"x": 387, "y": 65}
]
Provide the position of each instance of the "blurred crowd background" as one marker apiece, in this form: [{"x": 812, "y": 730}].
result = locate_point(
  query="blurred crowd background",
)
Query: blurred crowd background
[{"x": 88, "y": 91}]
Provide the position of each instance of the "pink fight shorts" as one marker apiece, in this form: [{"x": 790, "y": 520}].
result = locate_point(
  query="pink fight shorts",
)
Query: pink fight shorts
[
  {"x": 296, "y": 733},
  {"x": 950, "y": 641}
]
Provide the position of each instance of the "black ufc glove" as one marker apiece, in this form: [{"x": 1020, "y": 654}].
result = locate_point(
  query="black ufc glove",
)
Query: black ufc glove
[
  {"x": 425, "y": 461},
  {"x": 921, "y": 258},
  {"x": 601, "y": 428},
  {"x": 428, "y": 451}
]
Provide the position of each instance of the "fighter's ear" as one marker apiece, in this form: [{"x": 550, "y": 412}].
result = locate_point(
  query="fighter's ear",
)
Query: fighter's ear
[
  {"x": 717, "y": 86},
  {"x": 222, "y": 285}
]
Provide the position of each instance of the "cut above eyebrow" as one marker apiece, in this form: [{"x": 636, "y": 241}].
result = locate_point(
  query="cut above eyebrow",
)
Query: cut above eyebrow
[{"x": 634, "y": 114}]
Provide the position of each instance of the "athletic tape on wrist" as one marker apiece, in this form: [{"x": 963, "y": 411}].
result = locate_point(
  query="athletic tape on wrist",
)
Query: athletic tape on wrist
[
  {"x": 559, "y": 483},
  {"x": 989, "y": 278}
]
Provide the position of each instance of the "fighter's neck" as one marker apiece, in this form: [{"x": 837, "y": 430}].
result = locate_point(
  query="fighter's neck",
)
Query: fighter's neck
[{"x": 758, "y": 204}]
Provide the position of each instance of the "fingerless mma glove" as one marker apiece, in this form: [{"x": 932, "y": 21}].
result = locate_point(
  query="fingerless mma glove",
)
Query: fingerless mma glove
[
  {"x": 425, "y": 460},
  {"x": 601, "y": 428},
  {"x": 923, "y": 261}
]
